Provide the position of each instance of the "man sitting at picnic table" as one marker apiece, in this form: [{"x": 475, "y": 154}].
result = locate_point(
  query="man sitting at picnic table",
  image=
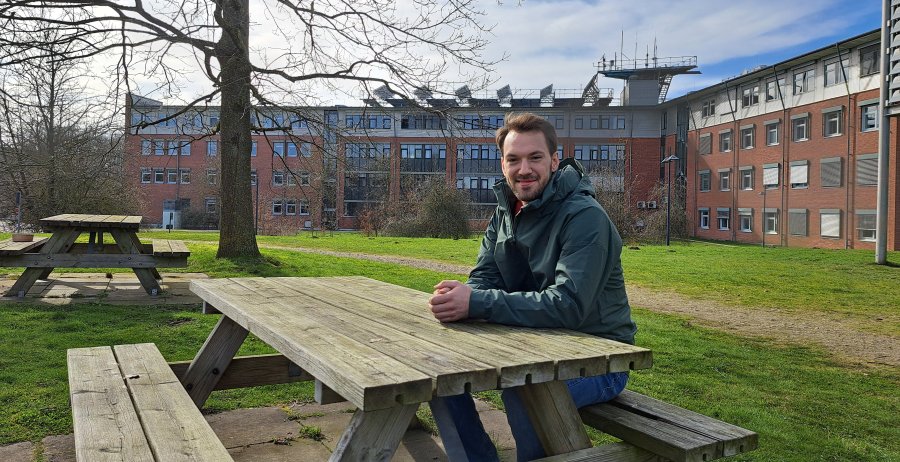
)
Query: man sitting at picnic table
[{"x": 550, "y": 257}]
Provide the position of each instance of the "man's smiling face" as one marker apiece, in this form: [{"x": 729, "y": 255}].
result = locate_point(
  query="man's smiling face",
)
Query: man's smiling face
[{"x": 527, "y": 165}]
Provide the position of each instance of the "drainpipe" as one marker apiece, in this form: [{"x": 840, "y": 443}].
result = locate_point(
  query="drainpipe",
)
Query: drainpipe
[
  {"x": 849, "y": 134},
  {"x": 784, "y": 143},
  {"x": 735, "y": 143}
]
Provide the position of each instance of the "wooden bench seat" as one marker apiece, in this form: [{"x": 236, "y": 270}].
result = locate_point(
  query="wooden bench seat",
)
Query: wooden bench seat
[
  {"x": 128, "y": 405},
  {"x": 666, "y": 430},
  {"x": 170, "y": 248},
  {"x": 9, "y": 248}
]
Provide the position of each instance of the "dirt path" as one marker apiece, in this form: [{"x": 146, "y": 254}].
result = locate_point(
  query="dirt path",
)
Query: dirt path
[{"x": 835, "y": 336}]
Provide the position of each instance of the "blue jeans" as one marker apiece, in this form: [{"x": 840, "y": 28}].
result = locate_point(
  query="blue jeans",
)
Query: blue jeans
[{"x": 464, "y": 436}]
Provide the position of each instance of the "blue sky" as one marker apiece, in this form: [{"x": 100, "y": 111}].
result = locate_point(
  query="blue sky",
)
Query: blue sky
[{"x": 560, "y": 42}]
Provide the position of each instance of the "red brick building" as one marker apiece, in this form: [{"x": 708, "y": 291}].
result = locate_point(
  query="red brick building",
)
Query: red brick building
[{"x": 783, "y": 155}]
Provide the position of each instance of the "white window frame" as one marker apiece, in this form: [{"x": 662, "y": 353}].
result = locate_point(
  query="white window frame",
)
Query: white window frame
[
  {"x": 770, "y": 221},
  {"x": 745, "y": 218},
  {"x": 748, "y": 135},
  {"x": 746, "y": 179},
  {"x": 832, "y": 123},
  {"x": 723, "y": 222},
  {"x": 703, "y": 218},
  {"x": 772, "y": 133},
  {"x": 795, "y": 126}
]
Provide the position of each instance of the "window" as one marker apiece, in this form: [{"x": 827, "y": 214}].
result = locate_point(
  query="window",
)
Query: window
[
  {"x": 804, "y": 80},
  {"x": 705, "y": 144},
  {"x": 747, "y": 135},
  {"x": 291, "y": 149},
  {"x": 746, "y": 178},
  {"x": 159, "y": 175},
  {"x": 865, "y": 225},
  {"x": 704, "y": 180},
  {"x": 745, "y": 217},
  {"x": 868, "y": 60},
  {"x": 212, "y": 148},
  {"x": 159, "y": 147},
  {"x": 304, "y": 178},
  {"x": 146, "y": 147},
  {"x": 185, "y": 175},
  {"x": 171, "y": 175},
  {"x": 709, "y": 108},
  {"x": 278, "y": 149},
  {"x": 835, "y": 70},
  {"x": 773, "y": 89},
  {"x": 213, "y": 120},
  {"x": 173, "y": 148},
  {"x": 595, "y": 123},
  {"x": 724, "y": 180},
  {"x": 290, "y": 179},
  {"x": 723, "y": 219},
  {"x": 210, "y": 205},
  {"x": 867, "y": 170},
  {"x": 703, "y": 218},
  {"x": 869, "y": 115},
  {"x": 304, "y": 207},
  {"x": 277, "y": 207},
  {"x": 772, "y": 135},
  {"x": 579, "y": 123},
  {"x": 750, "y": 96},
  {"x": 770, "y": 176},
  {"x": 797, "y": 222},
  {"x": 831, "y": 172},
  {"x": 800, "y": 127},
  {"x": 770, "y": 220},
  {"x": 253, "y": 177},
  {"x": 146, "y": 175},
  {"x": 211, "y": 175},
  {"x": 832, "y": 121},
  {"x": 799, "y": 174},
  {"x": 725, "y": 141},
  {"x": 830, "y": 223},
  {"x": 290, "y": 206},
  {"x": 305, "y": 150},
  {"x": 253, "y": 149},
  {"x": 278, "y": 178}
]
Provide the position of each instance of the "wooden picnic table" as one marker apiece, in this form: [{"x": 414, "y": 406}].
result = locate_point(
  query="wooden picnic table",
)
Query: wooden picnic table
[
  {"x": 61, "y": 251},
  {"x": 376, "y": 345}
]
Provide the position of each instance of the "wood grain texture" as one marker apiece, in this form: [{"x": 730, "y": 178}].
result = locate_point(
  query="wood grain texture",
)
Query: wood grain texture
[
  {"x": 612, "y": 452},
  {"x": 252, "y": 371},
  {"x": 213, "y": 359},
  {"x": 373, "y": 435},
  {"x": 107, "y": 427},
  {"x": 554, "y": 417},
  {"x": 174, "y": 427},
  {"x": 8, "y": 247}
]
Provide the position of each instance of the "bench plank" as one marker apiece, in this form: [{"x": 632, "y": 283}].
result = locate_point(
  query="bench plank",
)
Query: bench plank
[
  {"x": 170, "y": 248},
  {"x": 175, "y": 428},
  {"x": 668, "y": 430},
  {"x": 612, "y": 452},
  {"x": 107, "y": 427},
  {"x": 8, "y": 247}
]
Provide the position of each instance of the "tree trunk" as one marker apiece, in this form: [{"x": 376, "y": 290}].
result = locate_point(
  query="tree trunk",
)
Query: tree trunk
[{"x": 237, "y": 237}]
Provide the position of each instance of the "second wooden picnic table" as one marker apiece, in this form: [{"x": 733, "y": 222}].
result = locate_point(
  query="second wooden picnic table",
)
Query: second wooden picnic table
[
  {"x": 376, "y": 345},
  {"x": 61, "y": 251}
]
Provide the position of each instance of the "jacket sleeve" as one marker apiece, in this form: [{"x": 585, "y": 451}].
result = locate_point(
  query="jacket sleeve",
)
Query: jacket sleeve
[
  {"x": 584, "y": 265},
  {"x": 486, "y": 274}
]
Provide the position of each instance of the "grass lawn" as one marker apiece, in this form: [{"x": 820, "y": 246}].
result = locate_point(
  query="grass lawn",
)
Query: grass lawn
[{"x": 805, "y": 406}]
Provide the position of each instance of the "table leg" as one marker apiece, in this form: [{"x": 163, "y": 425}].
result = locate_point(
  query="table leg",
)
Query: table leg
[
  {"x": 554, "y": 417},
  {"x": 128, "y": 242},
  {"x": 213, "y": 358},
  {"x": 374, "y": 435},
  {"x": 60, "y": 242}
]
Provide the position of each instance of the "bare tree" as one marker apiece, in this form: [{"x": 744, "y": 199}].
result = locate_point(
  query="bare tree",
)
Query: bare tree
[
  {"x": 56, "y": 147},
  {"x": 403, "y": 47}
]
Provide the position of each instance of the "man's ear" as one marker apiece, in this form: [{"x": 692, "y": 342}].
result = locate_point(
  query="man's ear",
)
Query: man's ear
[{"x": 554, "y": 162}]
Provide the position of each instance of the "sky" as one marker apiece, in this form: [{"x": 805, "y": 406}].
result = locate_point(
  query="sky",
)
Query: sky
[
  {"x": 561, "y": 42},
  {"x": 566, "y": 39}
]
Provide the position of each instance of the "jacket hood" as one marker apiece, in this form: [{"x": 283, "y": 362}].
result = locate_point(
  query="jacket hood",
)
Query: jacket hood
[{"x": 568, "y": 179}]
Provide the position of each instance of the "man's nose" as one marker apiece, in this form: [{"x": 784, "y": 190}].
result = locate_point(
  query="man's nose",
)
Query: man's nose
[{"x": 525, "y": 168}]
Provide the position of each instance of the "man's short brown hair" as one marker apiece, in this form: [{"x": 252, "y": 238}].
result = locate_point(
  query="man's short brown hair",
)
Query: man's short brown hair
[{"x": 524, "y": 122}]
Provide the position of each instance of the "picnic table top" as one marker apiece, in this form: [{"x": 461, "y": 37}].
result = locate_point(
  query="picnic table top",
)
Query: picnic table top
[
  {"x": 76, "y": 220},
  {"x": 377, "y": 344}
]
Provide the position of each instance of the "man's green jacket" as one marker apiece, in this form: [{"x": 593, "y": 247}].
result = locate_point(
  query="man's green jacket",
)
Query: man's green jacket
[{"x": 555, "y": 264}]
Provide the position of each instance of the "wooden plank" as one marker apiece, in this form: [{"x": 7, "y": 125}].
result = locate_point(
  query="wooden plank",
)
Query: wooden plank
[
  {"x": 252, "y": 371},
  {"x": 213, "y": 359},
  {"x": 354, "y": 370},
  {"x": 573, "y": 354},
  {"x": 59, "y": 242},
  {"x": 107, "y": 427},
  {"x": 451, "y": 372},
  {"x": 8, "y": 247},
  {"x": 325, "y": 395},
  {"x": 373, "y": 435},
  {"x": 166, "y": 247},
  {"x": 175, "y": 428},
  {"x": 554, "y": 417},
  {"x": 516, "y": 366},
  {"x": 733, "y": 439},
  {"x": 90, "y": 260},
  {"x": 129, "y": 243},
  {"x": 612, "y": 452},
  {"x": 179, "y": 247},
  {"x": 161, "y": 247}
]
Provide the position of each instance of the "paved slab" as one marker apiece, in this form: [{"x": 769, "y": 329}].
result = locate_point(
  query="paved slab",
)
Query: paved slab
[
  {"x": 112, "y": 288},
  {"x": 277, "y": 434}
]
